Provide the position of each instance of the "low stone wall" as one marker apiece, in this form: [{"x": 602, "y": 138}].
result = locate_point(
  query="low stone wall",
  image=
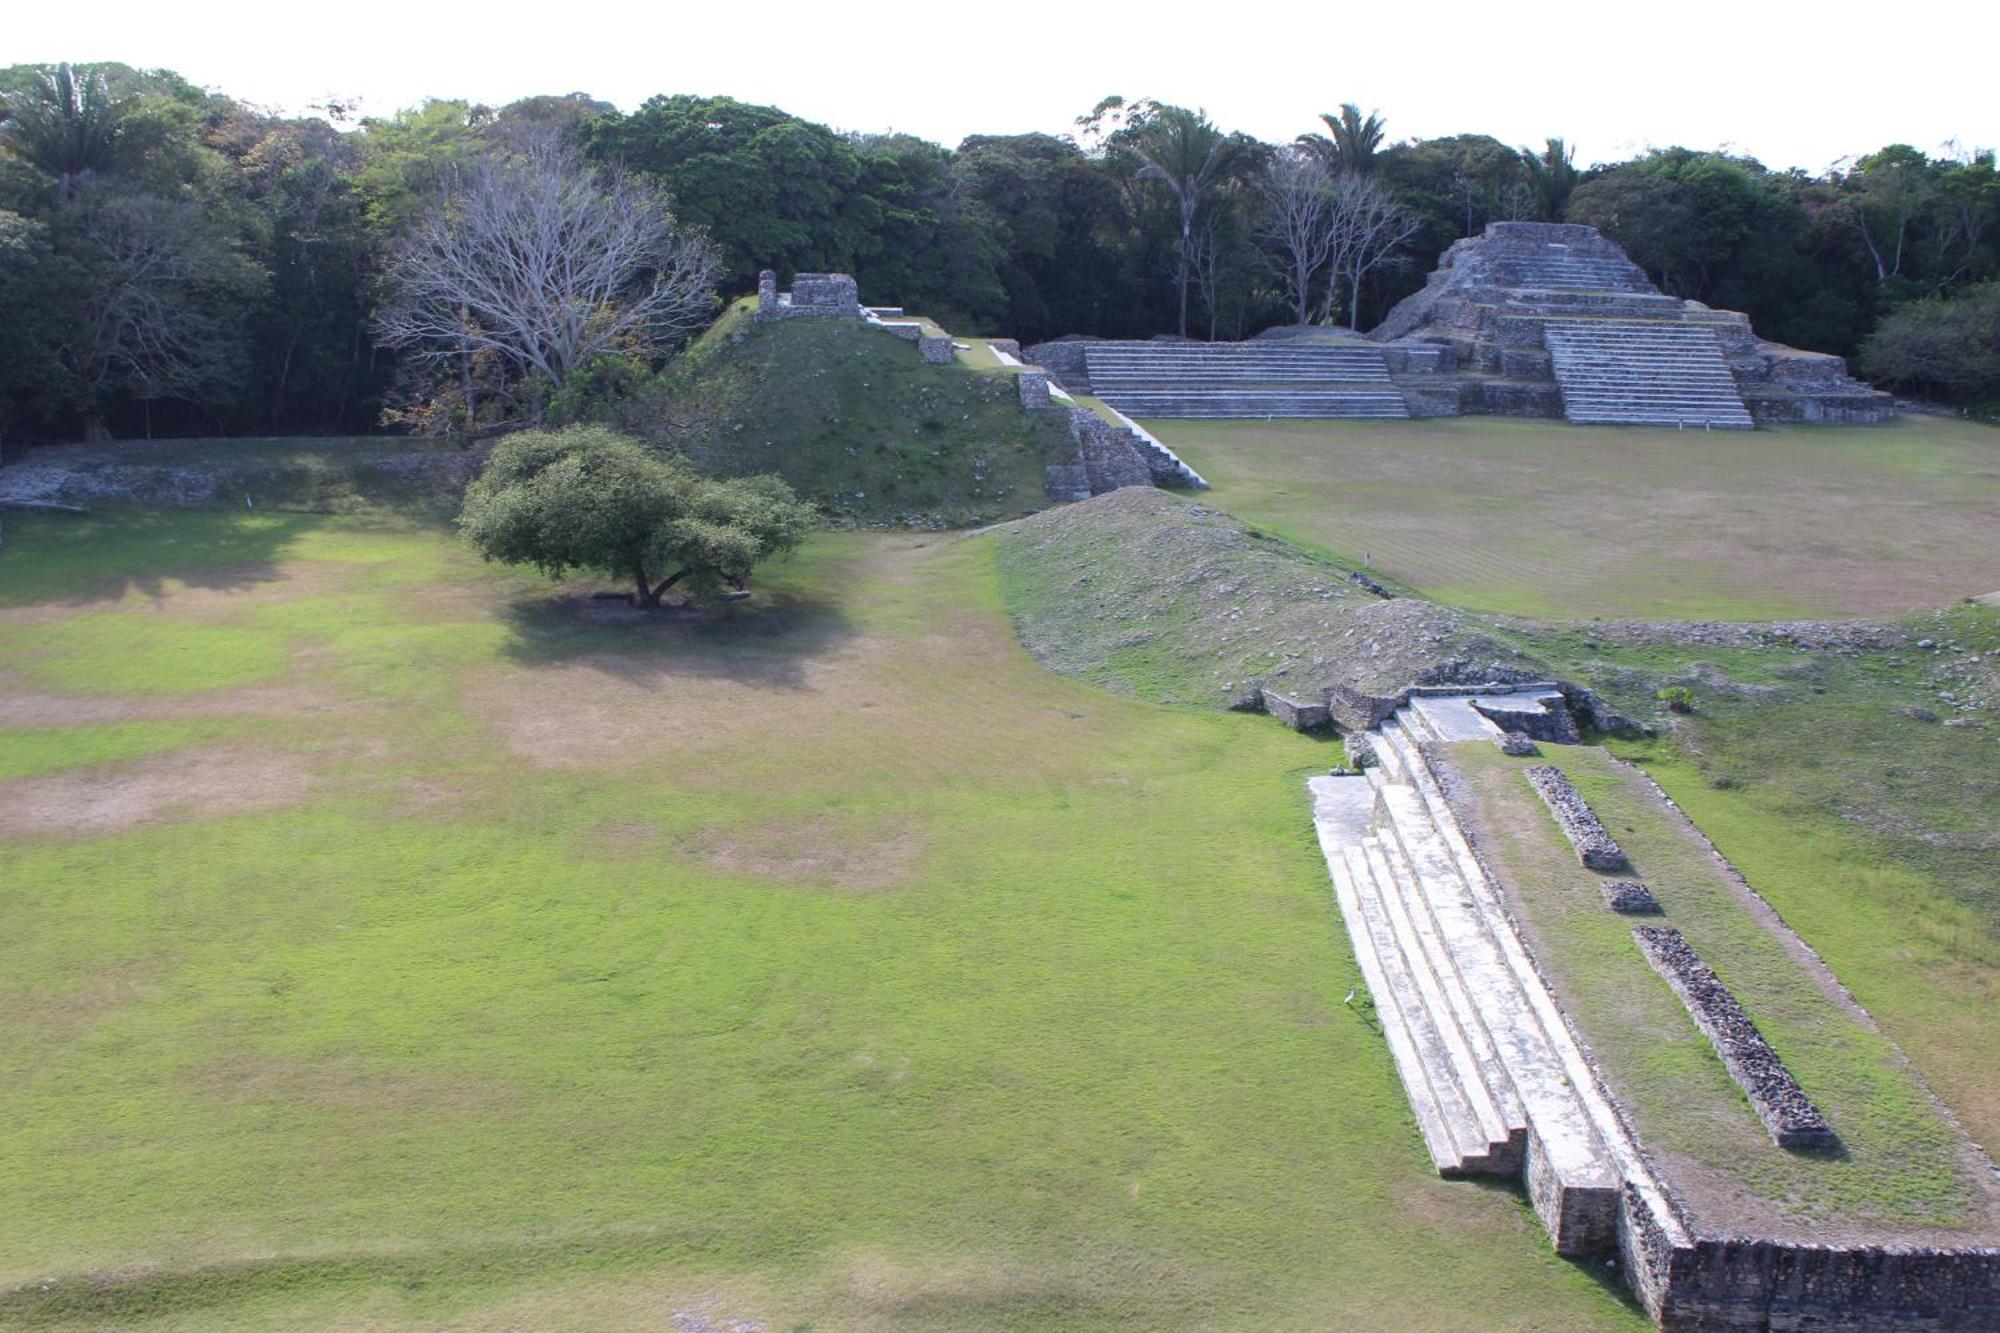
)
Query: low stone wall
[
  {"x": 1064, "y": 359},
  {"x": 1298, "y": 714},
  {"x": 1594, "y": 845},
  {"x": 936, "y": 349},
  {"x": 1790, "y": 1116},
  {"x": 1033, "y": 386}
]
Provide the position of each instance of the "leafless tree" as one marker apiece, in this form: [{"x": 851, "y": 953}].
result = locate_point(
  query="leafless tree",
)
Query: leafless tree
[
  {"x": 540, "y": 261},
  {"x": 1370, "y": 230},
  {"x": 1297, "y": 226}
]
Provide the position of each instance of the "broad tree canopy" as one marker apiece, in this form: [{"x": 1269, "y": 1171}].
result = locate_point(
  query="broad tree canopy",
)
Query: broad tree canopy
[{"x": 589, "y": 499}]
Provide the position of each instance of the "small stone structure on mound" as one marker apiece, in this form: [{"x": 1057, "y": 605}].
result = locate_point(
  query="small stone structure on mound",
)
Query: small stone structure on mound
[
  {"x": 1538, "y": 319},
  {"x": 1108, "y": 456},
  {"x": 813, "y": 296}
]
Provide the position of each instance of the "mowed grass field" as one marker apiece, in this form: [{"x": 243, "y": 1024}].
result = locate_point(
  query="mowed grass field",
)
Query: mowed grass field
[
  {"x": 1541, "y": 518},
  {"x": 389, "y": 941}
]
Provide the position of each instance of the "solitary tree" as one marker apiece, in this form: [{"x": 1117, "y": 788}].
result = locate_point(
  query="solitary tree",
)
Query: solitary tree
[
  {"x": 589, "y": 499},
  {"x": 541, "y": 262}
]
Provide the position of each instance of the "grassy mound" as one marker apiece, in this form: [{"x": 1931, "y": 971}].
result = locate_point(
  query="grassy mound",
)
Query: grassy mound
[
  {"x": 860, "y": 424},
  {"x": 1156, "y": 596}
]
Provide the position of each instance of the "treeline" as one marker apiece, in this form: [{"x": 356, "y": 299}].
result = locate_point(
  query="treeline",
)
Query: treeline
[{"x": 173, "y": 261}]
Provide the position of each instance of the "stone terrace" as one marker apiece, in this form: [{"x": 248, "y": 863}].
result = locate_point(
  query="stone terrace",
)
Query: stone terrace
[
  {"x": 1239, "y": 380},
  {"x": 1550, "y": 319},
  {"x": 1501, "y": 1086}
]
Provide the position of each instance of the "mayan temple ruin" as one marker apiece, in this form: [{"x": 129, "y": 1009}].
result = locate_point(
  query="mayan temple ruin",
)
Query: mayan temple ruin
[{"x": 1528, "y": 319}]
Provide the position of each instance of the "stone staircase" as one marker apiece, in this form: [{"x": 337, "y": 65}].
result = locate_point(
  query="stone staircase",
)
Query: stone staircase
[
  {"x": 1243, "y": 380},
  {"x": 1643, "y": 373},
  {"x": 1498, "y": 1083},
  {"x": 1557, "y": 271}
]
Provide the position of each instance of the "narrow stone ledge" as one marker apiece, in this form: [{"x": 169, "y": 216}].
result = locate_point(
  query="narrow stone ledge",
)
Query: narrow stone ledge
[
  {"x": 1629, "y": 895},
  {"x": 1790, "y": 1116},
  {"x": 1595, "y": 847}
]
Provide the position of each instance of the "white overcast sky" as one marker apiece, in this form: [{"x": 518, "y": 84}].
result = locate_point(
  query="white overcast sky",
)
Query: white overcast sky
[{"x": 1792, "y": 84}]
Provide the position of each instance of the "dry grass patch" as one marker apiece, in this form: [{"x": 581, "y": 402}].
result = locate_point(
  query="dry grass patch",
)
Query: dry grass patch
[
  {"x": 815, "y": 850},
  {"x": 207, "y": 782}
]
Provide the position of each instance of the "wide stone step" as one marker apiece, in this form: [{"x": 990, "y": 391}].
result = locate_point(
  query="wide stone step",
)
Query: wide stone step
[
  {"x": 1652, "y": 373},
  {"x": 1351, "y": 883},
  {"x": 1577, "y": 1148},
  {"x": 1476, "y": 1060}
]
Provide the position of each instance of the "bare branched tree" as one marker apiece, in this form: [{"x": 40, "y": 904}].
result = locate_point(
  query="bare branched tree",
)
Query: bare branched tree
[
  {"x": 541, "y": 262},
  {"x": 1297, "y": 226},
  {"x": 1371, "y": 227}
]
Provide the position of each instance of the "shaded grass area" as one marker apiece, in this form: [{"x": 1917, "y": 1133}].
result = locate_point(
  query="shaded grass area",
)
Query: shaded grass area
[
  {"x": 822, "y": 963},
  {"x": 1900, "y": 1164},
  {"x": 859, "y": 423},
  {"x": 1546, "y": 519}
]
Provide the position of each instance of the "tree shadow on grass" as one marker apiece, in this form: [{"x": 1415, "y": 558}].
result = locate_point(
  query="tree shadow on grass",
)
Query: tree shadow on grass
[
  {"x": 75, "y": 559},
  {"x": 766, "y": 640}
]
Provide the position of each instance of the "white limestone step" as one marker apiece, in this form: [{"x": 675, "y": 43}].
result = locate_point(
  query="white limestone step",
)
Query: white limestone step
[
  {"x": 1595, "y": 1193},
  {"x": 1348, "y": 869},
  {"x": 1460, "y": 1120},
  {"x": 1475, "y": 1059}
]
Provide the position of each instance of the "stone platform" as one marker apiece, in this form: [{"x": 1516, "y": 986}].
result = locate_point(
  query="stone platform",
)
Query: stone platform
[
  {"x": 1224, "y": 381},
  {"x": 1501, "y": 1085},
  {"x": 1551, "y": 319}
]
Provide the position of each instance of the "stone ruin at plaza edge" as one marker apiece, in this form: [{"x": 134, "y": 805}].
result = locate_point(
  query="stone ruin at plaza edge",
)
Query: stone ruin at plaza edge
[
  {"x": 1109, "y": 453},
  {"x": 1530, "y": 319}
]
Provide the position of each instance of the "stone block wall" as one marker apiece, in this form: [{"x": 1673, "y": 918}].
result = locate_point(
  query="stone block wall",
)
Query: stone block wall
[
  {"x": 936, "y": 350},
  {"x": 1033, "y": 386},
  {"x": 1789, "y": 1115},
  {"x": 1595, "y": 847}
]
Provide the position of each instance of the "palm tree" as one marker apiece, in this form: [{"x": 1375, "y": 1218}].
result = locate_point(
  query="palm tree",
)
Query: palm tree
[
  {"x": 1185, "y": 151},
  {"x": 66, "y": 123},
  {"x": 1551, "y": 177},
  {"x": 1355, "y": 140}
]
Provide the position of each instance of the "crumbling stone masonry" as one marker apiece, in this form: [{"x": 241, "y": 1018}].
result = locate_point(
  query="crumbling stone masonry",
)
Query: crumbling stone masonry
[
  {"x": 1780, "y": 1103},
  {"x": 813, "y": 296},
  {"x": 1628, "y": 896},
  {"x": 1594, "y": 845}
]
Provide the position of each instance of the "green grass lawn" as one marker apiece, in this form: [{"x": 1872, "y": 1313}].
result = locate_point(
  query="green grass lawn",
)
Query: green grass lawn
[
  {"x": 1545, "y": 519},
  {"x": 388, "y": 941}
]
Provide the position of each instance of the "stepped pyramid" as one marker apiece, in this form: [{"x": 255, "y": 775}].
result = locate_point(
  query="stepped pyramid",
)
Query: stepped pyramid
[{"x": 1553, "y": 319}]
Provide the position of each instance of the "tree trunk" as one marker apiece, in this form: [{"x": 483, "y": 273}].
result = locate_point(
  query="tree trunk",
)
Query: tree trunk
[{"x": 644, "y": 597}]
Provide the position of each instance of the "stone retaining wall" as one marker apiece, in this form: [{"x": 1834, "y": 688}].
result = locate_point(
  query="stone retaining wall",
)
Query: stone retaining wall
[
  {"x": 1594, "y": 845},
  {"x": 1780, "y": 1103}
]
